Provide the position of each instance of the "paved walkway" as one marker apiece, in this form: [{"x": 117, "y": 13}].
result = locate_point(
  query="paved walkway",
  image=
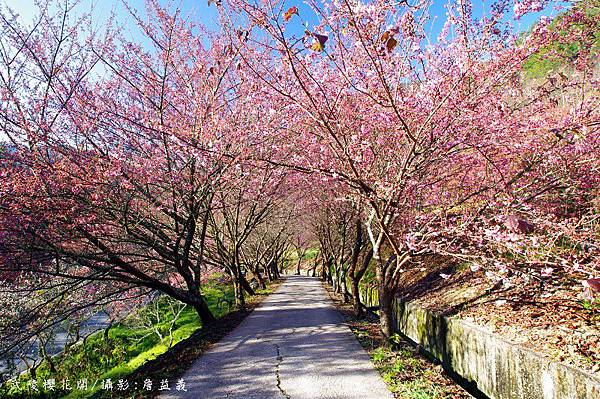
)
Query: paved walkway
[{"x": 293, "y": 346}]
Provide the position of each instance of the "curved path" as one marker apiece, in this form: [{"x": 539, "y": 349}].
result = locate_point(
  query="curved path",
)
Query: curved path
[{"x": 294, "y": 345}]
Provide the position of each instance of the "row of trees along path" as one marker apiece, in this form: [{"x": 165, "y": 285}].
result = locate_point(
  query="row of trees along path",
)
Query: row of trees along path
[{"x": 128, "y": 168}]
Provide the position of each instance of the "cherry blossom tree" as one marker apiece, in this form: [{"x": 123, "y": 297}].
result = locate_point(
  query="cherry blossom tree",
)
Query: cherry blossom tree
[
  {"x": 434, "y": 135},
  {"x": 238, "y": 210},
  {"x": 115, "y": 151}
]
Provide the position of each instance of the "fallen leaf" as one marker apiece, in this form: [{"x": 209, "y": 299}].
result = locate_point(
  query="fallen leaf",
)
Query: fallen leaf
[
  {"x": 385, "y": 36},
  {"x": 391, "y": 44},
  {"x": 289, "y": 13},
  {"x": 516, "y": 225},
  {"x": 388, "y": 40},
  {"x": 594, "y": 284},
  {"x": 591, "y": 285}
]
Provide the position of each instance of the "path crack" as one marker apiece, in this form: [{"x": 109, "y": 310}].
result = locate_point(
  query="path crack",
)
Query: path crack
[{"x": 277, "y": 376}]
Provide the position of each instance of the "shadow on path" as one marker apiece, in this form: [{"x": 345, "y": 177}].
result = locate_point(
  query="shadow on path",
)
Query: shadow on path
[{"x": 292, "y": 346}]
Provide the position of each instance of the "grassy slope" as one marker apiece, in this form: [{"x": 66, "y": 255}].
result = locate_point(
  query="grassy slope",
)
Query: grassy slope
[
  {"x": 125, "y": 350},
  {"x": 561, "y": 56}
]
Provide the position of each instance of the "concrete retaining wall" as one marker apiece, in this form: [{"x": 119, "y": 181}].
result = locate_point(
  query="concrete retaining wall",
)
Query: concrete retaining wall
[{"x": 486, "y": 362}]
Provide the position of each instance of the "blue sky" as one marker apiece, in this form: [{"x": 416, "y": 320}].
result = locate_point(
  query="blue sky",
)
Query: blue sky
[{"x": 102, "y": 9}]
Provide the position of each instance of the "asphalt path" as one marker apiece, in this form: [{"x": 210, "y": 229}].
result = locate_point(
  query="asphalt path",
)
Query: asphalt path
[{"x": 294, "y": 345}]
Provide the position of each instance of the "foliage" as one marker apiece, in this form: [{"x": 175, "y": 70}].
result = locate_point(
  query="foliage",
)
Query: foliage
[{"x": 560, "y": 56}]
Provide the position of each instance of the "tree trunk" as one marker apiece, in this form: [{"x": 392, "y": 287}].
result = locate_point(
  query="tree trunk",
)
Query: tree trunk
[
  {"x": 338, "y": 283},
  {"x": 50, "y": 364},
  {"x": 246, "y": 286},
  {"x": 333, "y": 278},
  {"x": 358, "y": 309},
  {"x": 47, "y": 358},
  {"x": 206, "y": 316},
  {"x": 33, "y": 372},
  {"x": 106, "y": 331},
  {"x": 268, "y": 273},
  {"x": 345, "y": 296},
  {"x": 261, "y": 280},
  {"x": 356, "y": 273},
  {"x": 239, "y": 293},
  {"x": 355, "y": 277},
  {"x": 275, "y": 269},
  {"x": 385, "y": 311}
]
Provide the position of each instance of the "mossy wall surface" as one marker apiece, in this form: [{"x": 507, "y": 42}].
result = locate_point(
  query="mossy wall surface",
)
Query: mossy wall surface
[{"x": 486, "y": 362}]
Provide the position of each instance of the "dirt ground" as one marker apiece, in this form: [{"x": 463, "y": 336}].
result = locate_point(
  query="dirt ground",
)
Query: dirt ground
[{"x": 547, "y": 316}]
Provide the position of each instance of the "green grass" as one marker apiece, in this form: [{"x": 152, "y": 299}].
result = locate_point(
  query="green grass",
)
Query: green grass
[
  {"x": 592, "y": 307},
  {"x": 125, "y": 348},
  {"x": 311, "y": 253},
  {"x": 405, "y": 374}
]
